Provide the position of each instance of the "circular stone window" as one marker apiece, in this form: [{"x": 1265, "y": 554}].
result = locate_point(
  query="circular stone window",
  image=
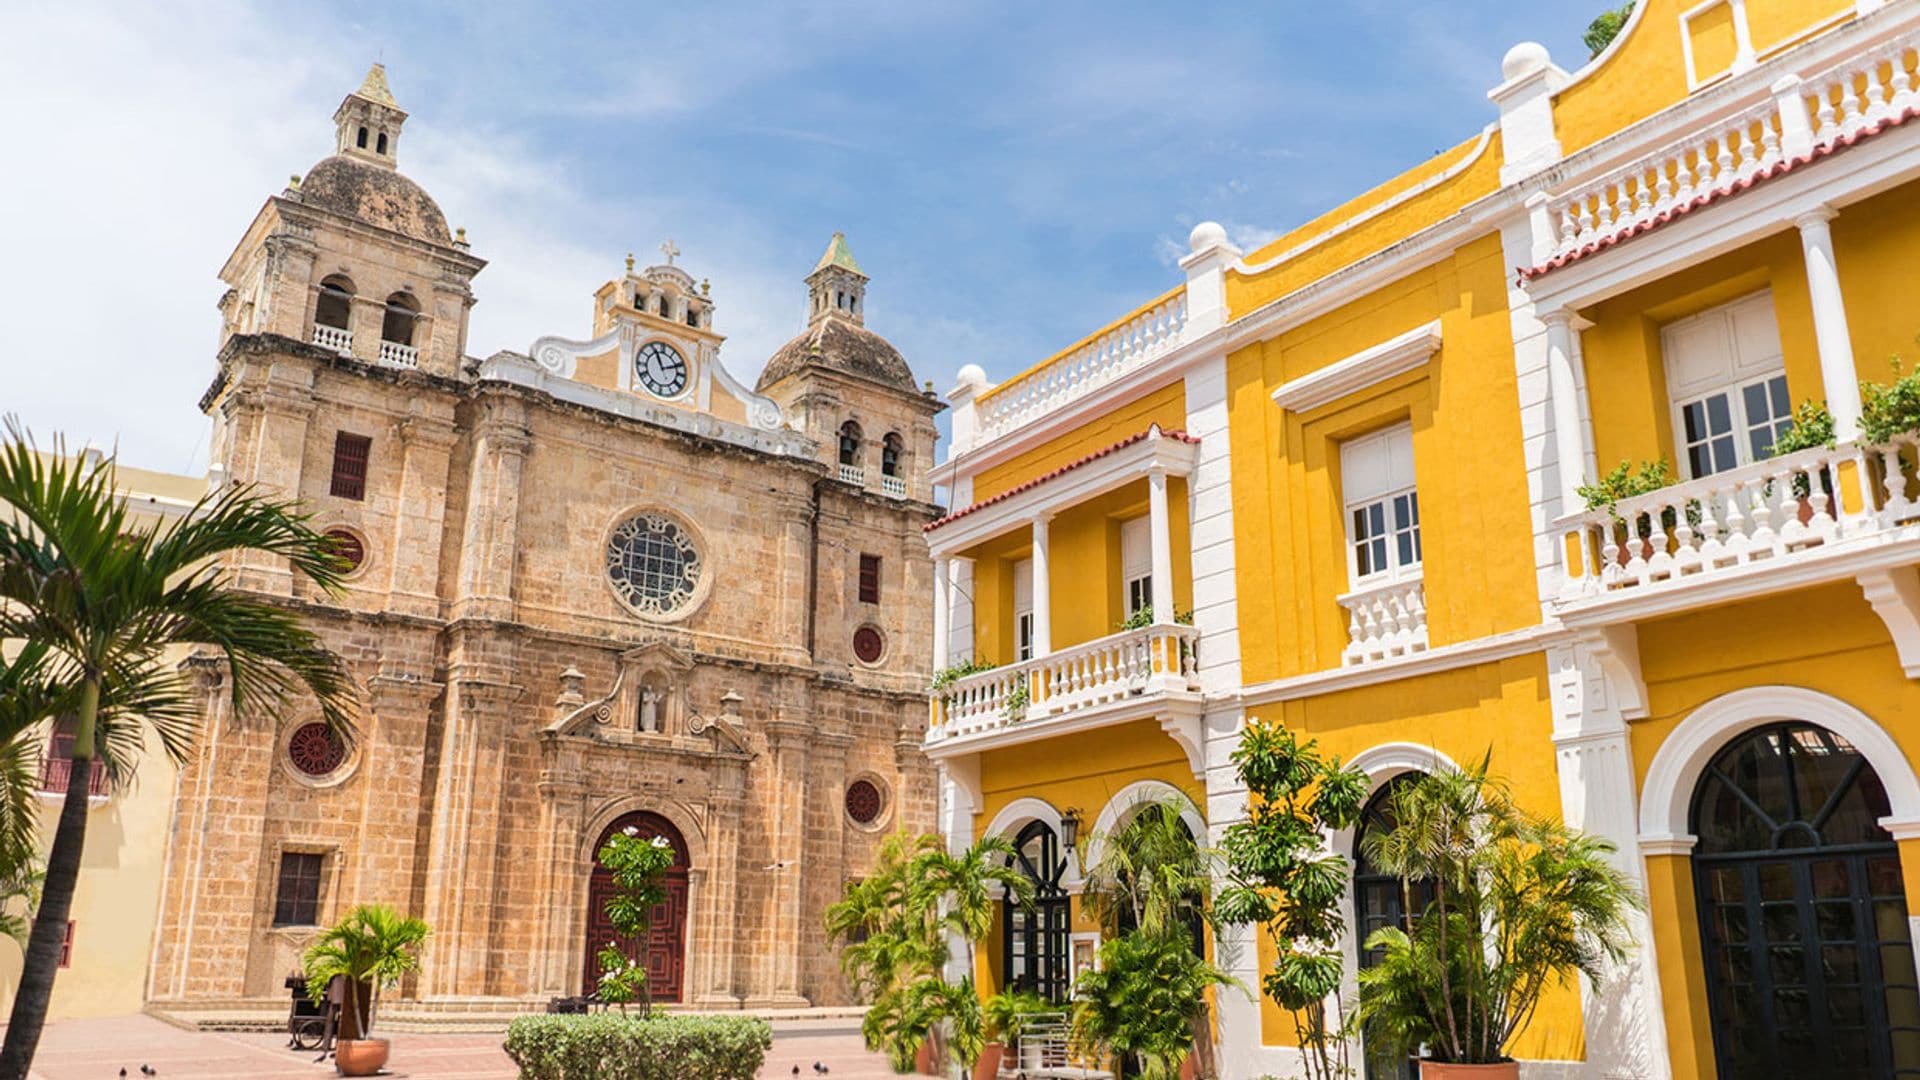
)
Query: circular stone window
[
  {"x": 347, "y": 547},
  {"x": 653, "y": 564},
  {"x": 869, "y": 645},
  {"x": 864, "y": 802},
  {"x": 315, "y": 750}
]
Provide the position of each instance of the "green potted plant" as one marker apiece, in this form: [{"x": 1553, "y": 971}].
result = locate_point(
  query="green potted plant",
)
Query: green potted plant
[
  {"x": 1812, "y": 426},
  {"x": 1007, "y": 1015},
  {"x": 370, "y": 949},
  {"x": 1139, "y": 1003},
  {"x": 1625, "y": 483},
  {"x": 1521, "y": 902}
]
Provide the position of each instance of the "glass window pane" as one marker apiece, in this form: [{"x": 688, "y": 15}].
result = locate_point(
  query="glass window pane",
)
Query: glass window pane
[
  {"x": 1719, "y": 414},
  {"x": 1695, "y": 419},
  {"x": 1777, "y": 390}
]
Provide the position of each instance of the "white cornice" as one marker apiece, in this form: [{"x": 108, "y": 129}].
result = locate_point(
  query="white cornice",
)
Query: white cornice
[
  {"x": 1361, "y": 370},
  {"x": 1446, "y": 658},
  {"x": 1076, "y": 485}
]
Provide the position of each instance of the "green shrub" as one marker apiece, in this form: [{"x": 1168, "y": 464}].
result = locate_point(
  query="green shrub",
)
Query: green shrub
[
  {"x": 610, "y": 1046},
  {"x": 1892, "y": 409}
]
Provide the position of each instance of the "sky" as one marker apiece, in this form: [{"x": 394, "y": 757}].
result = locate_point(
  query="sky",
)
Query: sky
[{"x": 1011, "y": 175}]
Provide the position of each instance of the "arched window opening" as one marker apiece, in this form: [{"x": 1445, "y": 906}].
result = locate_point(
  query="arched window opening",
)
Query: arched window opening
[
  {"x": 335, "y": 305},
  {"x": 693, "y": 316},
  {"x": 380, "y": 145},
  {"x": 1803, "y": 911},
  {"x": 1382, "y": 899},
  {"x": 1034, "y": 945},
  {"x": 360, "y": 140},
  {"x": 890, "y": 448},
  {"x": 849, "y": 443},
  {"x": 402, "y": 312}
]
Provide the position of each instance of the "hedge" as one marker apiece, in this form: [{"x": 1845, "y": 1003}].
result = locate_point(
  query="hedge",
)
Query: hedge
[{"x": 612, "y": 1046}]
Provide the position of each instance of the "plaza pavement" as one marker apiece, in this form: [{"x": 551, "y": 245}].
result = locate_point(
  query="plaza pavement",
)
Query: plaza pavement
[{"x": 99, "y": 1049}]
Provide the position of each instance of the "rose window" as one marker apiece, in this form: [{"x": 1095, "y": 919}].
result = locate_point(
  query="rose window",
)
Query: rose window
[
  {"x": 316, "y": 750},
  {"x": 863, "y": 802},
  {"x": 653, "y": 564}
]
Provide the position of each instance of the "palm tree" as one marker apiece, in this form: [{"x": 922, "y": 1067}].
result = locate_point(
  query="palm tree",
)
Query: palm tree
[
  {"x": 104, "y": 599},
  {"x": 373, "y": 946}
]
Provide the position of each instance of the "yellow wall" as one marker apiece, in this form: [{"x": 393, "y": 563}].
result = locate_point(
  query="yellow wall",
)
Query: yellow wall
[
  {"x": 1626, "y": 377},
  {"x": 1500, "y": 707},
  {"x": 1464, "y": 407},
  {"x": 1166, "y": 406},
  {"x": 1080, "y": 771}
]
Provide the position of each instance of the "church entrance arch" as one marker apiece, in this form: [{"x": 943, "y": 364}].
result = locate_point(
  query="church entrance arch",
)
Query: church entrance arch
[{"x": 664, "y": 951}]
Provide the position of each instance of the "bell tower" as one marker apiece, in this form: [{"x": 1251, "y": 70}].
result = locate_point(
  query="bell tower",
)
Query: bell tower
[
  {"x": 367, "y": 123},
  {"x": 837, "y": 285}
]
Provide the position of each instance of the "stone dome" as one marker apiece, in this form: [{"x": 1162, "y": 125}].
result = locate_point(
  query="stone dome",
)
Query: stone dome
[
  {"x": 376, "y": 196},
  {"x": 836, "y": 343}
]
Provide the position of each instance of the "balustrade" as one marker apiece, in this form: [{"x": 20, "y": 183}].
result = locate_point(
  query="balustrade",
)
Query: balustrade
[
  {"x": 56, "y": 773},
  {"x": 1385, "y": 621},
  {"x": 853, "y": 474},
  {"x": 1828, "y": 107},
  {"x": 332, "y": 337},
  {"x": 392, "y": 352},
  {"x": 1109, "y": 669},
  {"x": 1085, "y": 368},
  {"x": 1769, "y": 511},
  {"x": 893, "y": 487}
]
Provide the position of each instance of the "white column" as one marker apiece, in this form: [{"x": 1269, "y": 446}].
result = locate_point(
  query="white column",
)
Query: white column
[
  {"x": 942, "y": 588},
  {"x": 1160, "y": 530},
  {"x": 1830, "y": 322},
  {"x": 1564, "y": 391},
  {"x": 1042, "y": 591}
]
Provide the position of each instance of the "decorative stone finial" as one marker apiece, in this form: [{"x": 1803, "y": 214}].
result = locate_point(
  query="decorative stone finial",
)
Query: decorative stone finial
[
  {"x": 460, "y": 236},
  {"x": 1207, "y": 234},
  {"x": 730, "y": 706},
  {"x": 629, "y": 262},
  {"x": 293, "y": 182},
  {"x": 705, "y": 286},
  {"x": 572, "y": 681},
  {"x": 1524, "y": 58}
]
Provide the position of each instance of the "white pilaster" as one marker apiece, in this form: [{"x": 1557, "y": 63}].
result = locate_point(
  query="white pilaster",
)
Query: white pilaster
[
  {"x": 1209, "y": 256},
  {"x": 1830, "y": 322},
  {"x": 1161, "y": 533},
  {"x": 1528, "y": 140},
  {"x": 1042, "y": 591}
]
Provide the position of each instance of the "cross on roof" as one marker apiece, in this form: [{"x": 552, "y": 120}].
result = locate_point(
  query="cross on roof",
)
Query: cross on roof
[{"x": 669, "y": 250}]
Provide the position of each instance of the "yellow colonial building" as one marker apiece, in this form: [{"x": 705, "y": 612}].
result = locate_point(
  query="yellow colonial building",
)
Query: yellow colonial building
[{"x": 1336, "y": 482}]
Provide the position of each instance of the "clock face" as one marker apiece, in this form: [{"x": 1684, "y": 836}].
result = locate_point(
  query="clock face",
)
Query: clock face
[{"x": 661, "y": 368}]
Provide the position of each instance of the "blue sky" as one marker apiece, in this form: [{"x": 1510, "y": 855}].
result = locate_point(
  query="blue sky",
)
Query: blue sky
[{"x": 1012, "y": 175}]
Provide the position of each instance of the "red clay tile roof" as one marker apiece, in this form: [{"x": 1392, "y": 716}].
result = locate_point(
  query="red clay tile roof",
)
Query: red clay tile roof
[
  {"x": 1061, "y": 471},
  {"x": 1735, "y": 188}
]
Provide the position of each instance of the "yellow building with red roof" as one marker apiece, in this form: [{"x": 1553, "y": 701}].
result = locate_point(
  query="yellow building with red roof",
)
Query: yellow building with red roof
[{"x": 1356, "y": 481}]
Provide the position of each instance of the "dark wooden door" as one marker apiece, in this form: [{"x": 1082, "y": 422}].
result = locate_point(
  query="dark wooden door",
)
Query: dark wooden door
[{"x": 664, "y": 952}]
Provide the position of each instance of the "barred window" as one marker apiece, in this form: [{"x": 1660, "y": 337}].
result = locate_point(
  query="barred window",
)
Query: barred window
[
  {"x": 297, "y": 900},
  {"x": 350, "y": 455},
  {"x": 869, "y": 579}
]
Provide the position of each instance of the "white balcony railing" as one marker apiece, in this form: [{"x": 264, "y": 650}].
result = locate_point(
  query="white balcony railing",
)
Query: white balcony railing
[
  {"x": 392, "y": 352},
  {"x": 1085, "y": 368},
  {"x": 332, "y": 337},
  {"x": 1798, "y": 115},
  {"x": 853, "y": 474},
  {"x": 1384, "y": 621},
  {"x": 1123, "y": 665},
  {"x": 893, "y": 487},
  {"x": 1777, "y": 512}
]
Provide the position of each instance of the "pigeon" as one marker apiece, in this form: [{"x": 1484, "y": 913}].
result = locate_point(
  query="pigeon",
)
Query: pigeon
[
  {"x": 123, "y": 1070},
  {"x": 819, "y": 1068},
  {"x": 148, "y": 1070},
  {"x": 796, "y": 1071}
]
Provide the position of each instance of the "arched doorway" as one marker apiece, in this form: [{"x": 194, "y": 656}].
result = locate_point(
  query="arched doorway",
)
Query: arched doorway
[
  {"x": 666, "y": 944},
  {"x": 1381, "y": 899},
  {"x": 1034, "y": 945},
  {"x": 1803, "y": 912}
]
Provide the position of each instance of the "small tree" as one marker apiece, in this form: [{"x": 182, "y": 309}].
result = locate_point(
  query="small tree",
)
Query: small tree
[
  {"x": 373, "y": 946},
  {"x": 1139, "y": 1003},
  {"x": 1283, "y": 877},
  {"x": 639, "y": 868},
  {"x": 1605, "y": 27}
]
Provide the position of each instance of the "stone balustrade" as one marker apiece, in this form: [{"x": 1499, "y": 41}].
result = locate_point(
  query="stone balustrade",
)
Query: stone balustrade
[
  {"x": 893, "y": 487},
  {"x": 853, "y": 474},
  {"x": 1096, "y": 362},
  {"x": 1789, "y": 122},
  {"x": 392, "y": 352},
  {"x": 1773, "y": 512},
  {"x": 332, "y": 337},
  {"x": 1385, "y": 621},
  {"x": 1127, "y": 664}
]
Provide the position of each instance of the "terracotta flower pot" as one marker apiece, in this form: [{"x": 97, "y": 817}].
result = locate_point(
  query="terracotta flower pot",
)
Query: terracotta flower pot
[
  {"x": 1435, "y": 1070},
  {"x": 360, "y": 1057},
  {"x": 989, "y": 1064}
]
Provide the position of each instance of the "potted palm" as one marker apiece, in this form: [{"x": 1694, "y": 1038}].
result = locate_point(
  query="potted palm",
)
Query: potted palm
[
  {"x": 1520, "y": 903},
  {"x": 369, "y": 950},
  {"x": 1007, "y": 1014}
]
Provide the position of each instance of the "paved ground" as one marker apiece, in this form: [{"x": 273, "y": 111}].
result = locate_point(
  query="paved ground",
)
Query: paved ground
[{"x": 99, "y": 1049}]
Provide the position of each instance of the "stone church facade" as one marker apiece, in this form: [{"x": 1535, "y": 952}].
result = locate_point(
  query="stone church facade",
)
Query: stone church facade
[{"x": 598, "y": 585}]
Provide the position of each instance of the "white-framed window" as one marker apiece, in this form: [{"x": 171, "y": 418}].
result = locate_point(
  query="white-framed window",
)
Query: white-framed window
[
  {"x": 1023, "y": 610},
  {"x": 1727, "y": 383},
  {"x": 1136, "y": 564},
  {"x": 1382, "y": 506}
]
